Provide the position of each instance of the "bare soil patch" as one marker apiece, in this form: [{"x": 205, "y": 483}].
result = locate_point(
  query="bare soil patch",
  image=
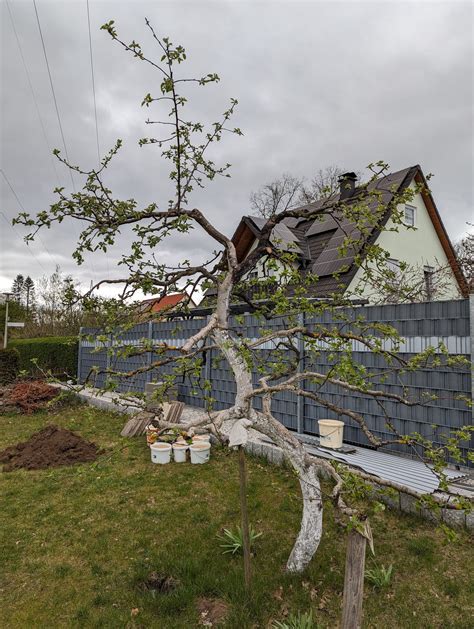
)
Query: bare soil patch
[
  {"x": 50, "y": 447},
  {"x": 212, "y": 611},
  {"x": 158, "y": 582}
]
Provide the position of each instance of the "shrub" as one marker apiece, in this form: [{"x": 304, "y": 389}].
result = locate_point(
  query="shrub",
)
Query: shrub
[
  {"x": 55, "y": 354},
  {"x": 9, "y": 365}
]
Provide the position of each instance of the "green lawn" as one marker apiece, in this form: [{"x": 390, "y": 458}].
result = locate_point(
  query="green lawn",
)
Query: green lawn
[{"x": 78, "y": 541}]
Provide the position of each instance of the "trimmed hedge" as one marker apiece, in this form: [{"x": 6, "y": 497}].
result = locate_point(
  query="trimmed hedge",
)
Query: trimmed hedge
[
  {"x": 9, "y": 365},
  {"x": 57, "y": 354}
]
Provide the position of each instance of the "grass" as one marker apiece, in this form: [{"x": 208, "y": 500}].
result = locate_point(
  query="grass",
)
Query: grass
[{"x": 78, "y": 541}]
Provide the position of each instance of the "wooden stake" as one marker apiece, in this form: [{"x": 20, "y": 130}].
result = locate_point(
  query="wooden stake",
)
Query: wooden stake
[
  {"x": 245, "y": 517},
  {"x": 354, "y": 581}
]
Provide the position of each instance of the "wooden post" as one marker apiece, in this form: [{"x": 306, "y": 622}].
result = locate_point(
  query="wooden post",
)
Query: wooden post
[
  {"x": 354, "y": 581},
  {"x": 244, "y": 516}
]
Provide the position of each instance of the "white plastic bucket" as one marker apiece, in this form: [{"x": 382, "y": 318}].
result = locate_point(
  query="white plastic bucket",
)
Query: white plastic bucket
[
  {"x": 179, "y": 452},
  {"x": 160, "y": 452},
  {"x": 200, "y": 452},
  {"x": 201, "y": 438},
  {"x": 330, "y": 433}
]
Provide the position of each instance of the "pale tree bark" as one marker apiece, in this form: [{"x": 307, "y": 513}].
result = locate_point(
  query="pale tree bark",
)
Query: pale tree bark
[
  {"x": 309, "y": 536},
  {"x": 310, "y": 532}
]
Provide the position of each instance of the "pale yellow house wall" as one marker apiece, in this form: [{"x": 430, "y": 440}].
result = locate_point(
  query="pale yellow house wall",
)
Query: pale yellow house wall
[
  {"x": 260, "y": 266},
  {"x": 416, "y": 247}
]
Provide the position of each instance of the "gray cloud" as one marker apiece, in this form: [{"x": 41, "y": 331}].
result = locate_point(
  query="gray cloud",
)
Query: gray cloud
[{"x": 318, "y": 83}]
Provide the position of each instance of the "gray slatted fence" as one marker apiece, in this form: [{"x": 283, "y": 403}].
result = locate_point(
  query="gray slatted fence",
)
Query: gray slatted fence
[{"x": 420, "y": 325}]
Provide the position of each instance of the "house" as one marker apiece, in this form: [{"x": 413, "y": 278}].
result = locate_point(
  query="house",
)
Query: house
[
  {"x": 165, "y": 305},
  {"x": 425, "y": 250}
]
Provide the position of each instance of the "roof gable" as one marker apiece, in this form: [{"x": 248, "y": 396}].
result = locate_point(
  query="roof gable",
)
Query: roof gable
[
  {"x": 163, "y": 304},
  {"x": 318, "y": 240}
]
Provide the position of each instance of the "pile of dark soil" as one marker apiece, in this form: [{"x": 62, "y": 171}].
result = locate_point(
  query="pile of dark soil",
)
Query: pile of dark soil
[{"x": 50, "y": 447}]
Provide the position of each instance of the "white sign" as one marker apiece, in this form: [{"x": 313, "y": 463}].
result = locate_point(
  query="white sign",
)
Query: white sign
[{"x": 11, "y": 324}]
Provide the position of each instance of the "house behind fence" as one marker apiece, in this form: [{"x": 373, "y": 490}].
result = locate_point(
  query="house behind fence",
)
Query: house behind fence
[{"x": 421, "y": 325}]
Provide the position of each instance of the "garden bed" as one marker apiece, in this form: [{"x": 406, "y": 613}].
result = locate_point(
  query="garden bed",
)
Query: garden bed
[{"x": 93, "y": 537}]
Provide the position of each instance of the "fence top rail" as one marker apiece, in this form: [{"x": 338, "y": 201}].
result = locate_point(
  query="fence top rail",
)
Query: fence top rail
[{"x": 443, "y": 320}]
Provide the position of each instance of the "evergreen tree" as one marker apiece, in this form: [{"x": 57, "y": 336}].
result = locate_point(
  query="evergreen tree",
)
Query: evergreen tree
[
  {"x": 17, "y": 288},
  {"x": 29, "y": 294}
]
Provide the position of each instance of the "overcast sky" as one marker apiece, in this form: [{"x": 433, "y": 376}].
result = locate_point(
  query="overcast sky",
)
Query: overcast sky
[{"x": 318, "y": 83}]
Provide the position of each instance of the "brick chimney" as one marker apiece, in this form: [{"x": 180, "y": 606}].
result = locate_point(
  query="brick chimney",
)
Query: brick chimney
[{"x": 347, "y": 183}]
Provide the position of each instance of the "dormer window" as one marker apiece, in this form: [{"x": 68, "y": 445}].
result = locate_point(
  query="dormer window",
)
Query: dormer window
[{"x": 410, "y": 215}]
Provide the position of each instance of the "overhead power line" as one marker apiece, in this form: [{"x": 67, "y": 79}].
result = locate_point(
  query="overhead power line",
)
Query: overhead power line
[
  {"x": 93, "y": 81},
  {"x": 11, "y": 226},
  {"x": 48, "y": 145},
  {"x": 22, "y": 241},
  {"x": 53, "y": 92},
  {"x": 95, "y": 107},
  {"x": 56, "y": 106},
  {"x": 23, "y": 209}
]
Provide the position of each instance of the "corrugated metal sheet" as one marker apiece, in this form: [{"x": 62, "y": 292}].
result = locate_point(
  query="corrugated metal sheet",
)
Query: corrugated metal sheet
[{"x": 407, "y": 472}]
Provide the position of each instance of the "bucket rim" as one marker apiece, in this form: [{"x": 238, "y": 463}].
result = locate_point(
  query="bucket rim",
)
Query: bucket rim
[
  {"x": 160, "y": 445},
  {"x": 330, "y": 422},
  {"x": 203, "y": 445}
]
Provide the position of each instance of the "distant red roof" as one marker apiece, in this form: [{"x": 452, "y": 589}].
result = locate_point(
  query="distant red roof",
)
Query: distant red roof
[{"x": 159, "y": 304}]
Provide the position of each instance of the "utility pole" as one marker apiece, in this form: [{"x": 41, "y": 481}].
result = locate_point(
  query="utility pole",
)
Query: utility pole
[{"x": 5, "y": 334}]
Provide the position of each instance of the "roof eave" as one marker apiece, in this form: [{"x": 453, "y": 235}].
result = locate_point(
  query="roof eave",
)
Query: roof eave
[{"x": 441, "y": 232}]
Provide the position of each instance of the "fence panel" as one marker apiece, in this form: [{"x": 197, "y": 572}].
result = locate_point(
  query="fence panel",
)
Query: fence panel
[{"x": 420, "y": 326}]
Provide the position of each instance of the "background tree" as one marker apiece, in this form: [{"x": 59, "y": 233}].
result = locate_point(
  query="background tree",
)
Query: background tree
[
  {"x": 186, "y": 146},
  {"x": 288, "y": 191},
  {"x": 323, "y": 184},
  {"x": 29, "y": 295},
  {"x": 465, "y": 254},
  {"x": 57, "y": 312},
  {"x": 277, "y": 196},
  {"x": 17, "y": 288}
]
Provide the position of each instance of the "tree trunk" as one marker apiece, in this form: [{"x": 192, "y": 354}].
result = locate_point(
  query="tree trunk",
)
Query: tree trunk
[
  {"x": 311, "y": 528},
  {"x": 354, "y": 581},
  {"x": 309, "y": 536},
  {"x": 310, "y": 532}
]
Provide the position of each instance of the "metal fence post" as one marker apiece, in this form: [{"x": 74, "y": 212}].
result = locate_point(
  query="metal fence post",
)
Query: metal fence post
[
  {"x": 79, "y": 355},
  {"x": 107, "y": 353},
  {"x": 471, "y": 333},
  {"x": 301, "y": 367},
  {"x": 149, "y": 373}
]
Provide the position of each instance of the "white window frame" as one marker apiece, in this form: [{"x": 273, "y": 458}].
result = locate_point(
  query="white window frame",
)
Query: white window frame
[{"x": 412, "y": 208}]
